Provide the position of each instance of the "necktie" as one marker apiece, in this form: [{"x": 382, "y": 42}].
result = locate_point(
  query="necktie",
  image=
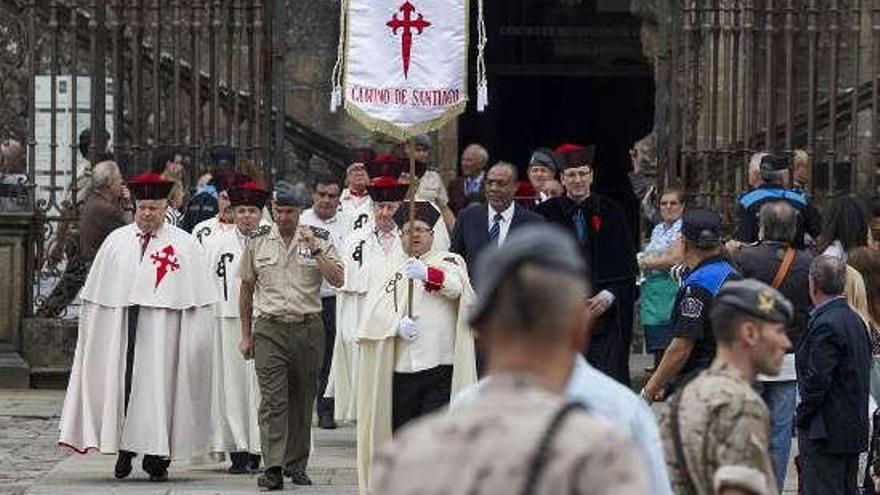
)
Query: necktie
[
  {"x": 496, "y": 229},
  {"x": 580, "y": 224},
  {"x": 145, "y": 241}
]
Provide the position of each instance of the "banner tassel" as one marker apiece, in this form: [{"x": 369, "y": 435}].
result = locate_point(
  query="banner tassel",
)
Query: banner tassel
[
  {"x": 482, "y": 81},
  {"x": 336, "y": 78}
]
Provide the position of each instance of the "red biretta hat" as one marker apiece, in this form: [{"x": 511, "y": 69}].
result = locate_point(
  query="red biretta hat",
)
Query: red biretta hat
[
  {"x": 248, "y": 194},
  {"x": 575, "y": 155},
  {"x": 150, "y": 186},
  {"x": 385, "y": 166},
  {"x": 387, "y": 189}
]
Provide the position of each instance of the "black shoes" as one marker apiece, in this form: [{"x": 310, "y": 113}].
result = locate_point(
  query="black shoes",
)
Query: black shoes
[
  {"x": 240, "y": 463},
  {"x": 254, "y": 462},
  {"x": 123, "y": 464},
  {"x": 298, "y": 477},
  {"x": 326, "y": 423},
  {"x": 271, "y": 480},
  {"x": 156, "y": 467}
]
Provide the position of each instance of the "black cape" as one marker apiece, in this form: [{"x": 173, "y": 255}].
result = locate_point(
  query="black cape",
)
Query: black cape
[{"x": 608, "y": 250}]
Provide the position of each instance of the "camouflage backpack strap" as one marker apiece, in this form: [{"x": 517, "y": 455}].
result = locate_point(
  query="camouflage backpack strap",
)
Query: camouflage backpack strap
[
  {"x": 539, "y": 461},
  {"x": 674, "y": 419}
]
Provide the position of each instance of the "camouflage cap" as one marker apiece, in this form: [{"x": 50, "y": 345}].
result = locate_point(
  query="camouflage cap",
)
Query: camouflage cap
[{"x": 757, "y": 299}]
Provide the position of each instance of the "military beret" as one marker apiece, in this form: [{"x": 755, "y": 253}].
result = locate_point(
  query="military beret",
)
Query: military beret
[
  {"x": 287, "y": 194},
  {"x": 525, "y": 245},
  {"x": 702, "y": 227},
  {"x": 757, "y": 299},
  {"x": 546, "y": 157}
]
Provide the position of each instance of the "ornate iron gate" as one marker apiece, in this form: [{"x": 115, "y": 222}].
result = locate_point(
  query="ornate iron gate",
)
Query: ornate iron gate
[{"x": 752, "y": 75}]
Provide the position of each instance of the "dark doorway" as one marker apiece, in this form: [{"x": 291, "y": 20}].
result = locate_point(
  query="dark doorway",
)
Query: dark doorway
[{"x": 565, "y": 71}]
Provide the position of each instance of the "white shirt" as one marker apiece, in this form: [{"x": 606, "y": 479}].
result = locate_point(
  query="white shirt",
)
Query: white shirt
[
  {"x": 506, "y": 219},
  {"x": 309, "y": 217}
]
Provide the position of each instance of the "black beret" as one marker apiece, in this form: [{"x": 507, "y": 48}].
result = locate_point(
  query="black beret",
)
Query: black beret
[{"x": 757, "y": 299}]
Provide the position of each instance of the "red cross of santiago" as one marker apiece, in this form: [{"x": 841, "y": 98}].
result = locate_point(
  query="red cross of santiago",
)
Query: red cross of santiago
[{"x": 406, "y": 25}]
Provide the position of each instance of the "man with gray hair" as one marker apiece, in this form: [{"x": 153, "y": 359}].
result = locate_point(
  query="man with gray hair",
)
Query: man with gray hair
[
  {"x": 776, "y": 262},
  {"x": 833, "y": 368},
  {"x": 107, "y": 207},
  {"x": 469, "y": 187},
  {"x": 518, "y": 435}
]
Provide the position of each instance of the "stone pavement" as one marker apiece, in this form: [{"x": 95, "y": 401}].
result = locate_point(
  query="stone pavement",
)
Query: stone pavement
[{"x": 30, "y": 462}]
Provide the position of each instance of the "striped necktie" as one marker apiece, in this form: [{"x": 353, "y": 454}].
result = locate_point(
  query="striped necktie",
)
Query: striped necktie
[{"x": 496, "y": 229}]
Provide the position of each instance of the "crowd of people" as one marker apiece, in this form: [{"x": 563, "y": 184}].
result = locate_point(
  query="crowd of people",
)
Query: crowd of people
[{"x": 478, "y": 333}]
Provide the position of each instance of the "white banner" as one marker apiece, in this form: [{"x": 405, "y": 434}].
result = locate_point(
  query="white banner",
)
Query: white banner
[{"x": 404, "y": 64}]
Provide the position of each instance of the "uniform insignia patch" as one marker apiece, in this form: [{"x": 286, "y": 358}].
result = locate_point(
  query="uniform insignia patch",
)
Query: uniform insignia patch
[
  {"x": 691, "y": 307},
  {"x": 451, "y": 260},
  {"x": 261, "y": 231},
  {"x": 320, "y": 233}
]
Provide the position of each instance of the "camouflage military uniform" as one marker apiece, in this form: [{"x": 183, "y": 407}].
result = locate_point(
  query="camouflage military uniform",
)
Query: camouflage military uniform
[
  {"x": 724, "y": 427},
  {"x": 486, "y": 447}
]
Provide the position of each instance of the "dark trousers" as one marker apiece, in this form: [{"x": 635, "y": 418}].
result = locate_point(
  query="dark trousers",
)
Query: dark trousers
[
  {"x": 328, "y": 316},
  {"x": 287, "y": 358},
  {"x": 826, "y": 474},
  {"x": 420, "y": 393}
]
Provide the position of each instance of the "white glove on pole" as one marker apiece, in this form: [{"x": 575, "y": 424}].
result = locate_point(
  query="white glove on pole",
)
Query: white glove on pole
[
  {"x": 415, "y": 269},
  {"x": 408, "y": 328}
]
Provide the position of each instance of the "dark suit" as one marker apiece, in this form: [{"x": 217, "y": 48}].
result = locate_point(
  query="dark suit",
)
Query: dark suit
[
  {"x": 471, "y": 233},
  {"x": 458, "y": 197},
  {"x": 833, "y": 368}
]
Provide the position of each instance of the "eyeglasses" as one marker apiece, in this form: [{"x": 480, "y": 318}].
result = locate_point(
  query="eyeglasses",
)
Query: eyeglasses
[
  {"x": 571, "y": 174},
  {"x": 417, "y": 230}
]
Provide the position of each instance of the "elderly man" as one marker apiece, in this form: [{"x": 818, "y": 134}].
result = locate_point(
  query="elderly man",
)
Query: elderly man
[
  {"x": 367, "y": 262},
  {"x": 490, "y": 224},
  {"x": 107, "y": 207},
  {"x": 469, "y": 187},
  {"x": 775, "y": 175},
  {"x": 416, "y": 352},
  {"x": 833, "y": 367},
  {"x": 715, "y": 427},
  {"x": 235, "y": 394},
  {"x": 141, "y": 376},
  {"x": 774, "y": 261},
  {"x": 354, "y": 201},
  {"x": 600, "y": 227},
  {"x": 693, "y": 346},
  {"x": 281, "y": 272},
  {"x": 499, "y": 441}
]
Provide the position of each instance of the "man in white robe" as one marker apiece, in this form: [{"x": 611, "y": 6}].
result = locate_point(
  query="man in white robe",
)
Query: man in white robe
[
  {"x": 235, "y": 393},
  {"x": 413, "y": 356},
  {"x": 355, "y": 206},
  {"x": 140, "y": 381},
  {"x": 365, "y": 261}
]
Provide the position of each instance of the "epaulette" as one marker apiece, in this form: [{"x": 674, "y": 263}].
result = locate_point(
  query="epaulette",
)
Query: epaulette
[
  {"x": 261, "y": 231},
  {"x": 320, "y": 233}
]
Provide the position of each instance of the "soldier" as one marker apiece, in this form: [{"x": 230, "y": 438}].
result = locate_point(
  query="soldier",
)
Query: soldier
[
  {"x": 517, "y": 435},
  {"x": 716, "y": 427},
  {"x": 281, "y": 273}
]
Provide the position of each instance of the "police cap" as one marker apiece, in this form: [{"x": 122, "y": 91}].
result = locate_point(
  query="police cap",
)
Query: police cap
[
  {"x": 757, "y": 299},
  {"x": 774, "y": 163},
  {"x": 702, "y": 227}
]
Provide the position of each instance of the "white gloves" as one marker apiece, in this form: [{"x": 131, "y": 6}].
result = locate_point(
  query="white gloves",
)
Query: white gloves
[
  {"x": 415, "y": 269},
  {"x": 408, "y": 328}
]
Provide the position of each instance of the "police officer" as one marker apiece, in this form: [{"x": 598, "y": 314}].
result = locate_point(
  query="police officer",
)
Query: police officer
[
  {"x": 692, "y": 347},
  {"x": 715, "y": 428},
  {"x": 775, "y": 174},
  {"x": 281, "y": 273}
]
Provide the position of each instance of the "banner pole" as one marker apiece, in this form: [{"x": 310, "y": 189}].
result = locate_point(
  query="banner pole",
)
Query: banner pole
[{"x": 413, "y": 187}]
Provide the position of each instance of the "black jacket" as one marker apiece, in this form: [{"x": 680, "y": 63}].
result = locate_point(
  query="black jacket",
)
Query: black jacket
[
  {"x": 471, "y": 233},
  {"x": 833, "y": 372},
  {"x": 762, "y": 262}
]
